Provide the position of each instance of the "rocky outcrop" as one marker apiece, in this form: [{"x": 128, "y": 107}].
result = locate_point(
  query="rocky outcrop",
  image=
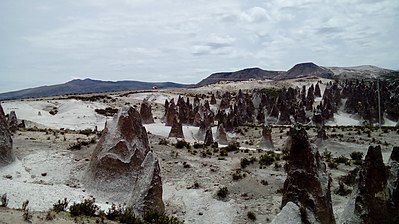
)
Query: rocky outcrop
[
  {"x": 375, "y": 198},
  {"x": 146, "y": 113},
  {"x": 122, "y": 165},
  {"x": 266, "y": 141},
  {"x": 6, "y": 151},
  {"x": 176, "y": 131},
  {"x": 307, "y": 184}
]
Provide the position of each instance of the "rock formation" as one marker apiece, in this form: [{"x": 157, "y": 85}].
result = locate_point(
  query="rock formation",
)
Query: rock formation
[
  {"x": 6, "y": 151},
  {"x": 146, "y": 113},
  {"x": 176, "y": 130},
  {"x": 375, "y": 198},
  {"x": 122, "y": 165},
  {"x": 266, "y": 141},
  {"x": 208, "y": 137},
  {"x": 12, "y": 121},
  {"x": 307, "y": 184},
  {"x": 221, "y": 136}
]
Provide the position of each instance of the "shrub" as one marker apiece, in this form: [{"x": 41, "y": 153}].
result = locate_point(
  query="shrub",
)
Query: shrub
[
  {"x": 237, "y": 175},
  {"x": 251, "y": 215},
  {"x": 152, "y": 216},
  {"x": 268, "y": 158},
  {"x": 223, "y": 152},
  {"x": 163, "y": 142},
  {"x": 60, "y": 206},
  {"x": 181, "y": 144},
  {"x": 356, "y": 155},
  {"x": 198, "y": 145},
  {"x": 27, "y": 215},
  {"x": 87, "y": 208},
  {"x": 341, "y": 159},
  {"x": 128, "y": 216},
  {"x": 233, "y": 146},
  {"x": 332, "y": 165},
  {"x": 223, "y": 192},
  {"x": 244, "y": 162},
  {"x": 264, "y": 182},
  {"x": 4, "y": 200}
]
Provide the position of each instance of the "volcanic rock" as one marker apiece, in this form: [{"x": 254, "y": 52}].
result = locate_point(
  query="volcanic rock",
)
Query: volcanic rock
[
  {"x": 307, "y": 184},
  {"x": 6, "y": 151},
  {"x": 266, "y": 141},
  {"x": 176, "y": 130},
  {"x": 122, "y": 165},
  {"x": 146, "y": 113}
]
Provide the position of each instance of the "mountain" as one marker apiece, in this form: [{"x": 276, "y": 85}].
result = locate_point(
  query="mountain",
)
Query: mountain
[
  {"x": 245, "y": 74},
  {"x": 303, "y": 70},
  {"x": 78, "y": 86}
]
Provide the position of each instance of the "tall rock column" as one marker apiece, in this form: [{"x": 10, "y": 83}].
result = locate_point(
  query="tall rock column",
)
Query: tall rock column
[{"x": 6, "y": 151}]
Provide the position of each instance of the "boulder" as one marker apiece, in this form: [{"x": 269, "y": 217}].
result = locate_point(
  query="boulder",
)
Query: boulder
[
  {"x": 6, "y": 151},
  {"x": 122, "y": 166},
  {"x": 307, "y": 184}
]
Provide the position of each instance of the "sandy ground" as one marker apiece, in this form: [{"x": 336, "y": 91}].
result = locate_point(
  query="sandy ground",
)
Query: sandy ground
[{"x": 46, "y": 171}]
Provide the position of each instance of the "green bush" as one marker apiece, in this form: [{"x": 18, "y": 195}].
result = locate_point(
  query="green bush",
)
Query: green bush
[
  {"x": 163, "y": 141},
  {"x": 268, "y": 158},
  {"x": 251, "y": 215},
  {"x": 356, "y": 155},
  {"x": 181, "y": 144},
  {"x": 87, "y": 208},
  {"x": 341, "y": 159},
  {"x": 60, "y": 206},
  {"x": 233, "y": 146},
  {"x": 152, "y": 216},
  {"x": 223, "y": 192}
]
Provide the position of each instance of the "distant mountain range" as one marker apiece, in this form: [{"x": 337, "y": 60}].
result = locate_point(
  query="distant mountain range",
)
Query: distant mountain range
[
  {"x": 78, "y": 86},
  {"x": 302, "y": 70}
]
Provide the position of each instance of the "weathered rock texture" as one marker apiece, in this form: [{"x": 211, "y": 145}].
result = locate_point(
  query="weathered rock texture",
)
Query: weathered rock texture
[
  {"x": 375, "y": 198},
  {"x": 122, "y": 165},
  {"x": 307, "y": 184},
  {"x": 146, "y": 113},
  {"x": 6, "y": 151},
  {"x": 266, "y": 141}
]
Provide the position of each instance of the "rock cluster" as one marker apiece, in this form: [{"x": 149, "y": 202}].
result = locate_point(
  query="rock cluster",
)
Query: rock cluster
[
  {"x": 307, "y": 184},
  {"x": 122, "y": 165},
  {"x": 6, "y": 151}
]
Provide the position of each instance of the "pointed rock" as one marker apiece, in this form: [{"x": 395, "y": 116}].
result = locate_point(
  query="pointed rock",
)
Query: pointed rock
[
  {"x": 208, "y": 137},
  {"x": 146, "y": 113},
  {"x": 12, "y": 121},
  {"x": 307, "y": 184},
  {"x": 122, "y": 165},
  {"x": 266, "y": 141},
  {"x": 177, "y": 130},
  {"x": 221, "y": 136},
  {"x": 6, "y": 151}
]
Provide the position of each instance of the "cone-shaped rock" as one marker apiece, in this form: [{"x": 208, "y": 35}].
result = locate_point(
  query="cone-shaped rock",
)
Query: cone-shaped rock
[
  {"x": 221, "y": 136},
  {"x": 176, "y": 130},
  {"x": 6, "y": 152},
  {"x": 307, "y": 184},
  {"x": 146, "y": 113},
  {"x": 12, "y": 121},
  {"x": 122, "y": 165},
  {"x": 266, "y": 140},
  {"x": 373, "y": 199},
  {"x": 208, "y": 137}
]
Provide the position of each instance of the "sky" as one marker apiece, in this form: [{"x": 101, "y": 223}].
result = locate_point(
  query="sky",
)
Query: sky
[{"x": 45, "y": 42}]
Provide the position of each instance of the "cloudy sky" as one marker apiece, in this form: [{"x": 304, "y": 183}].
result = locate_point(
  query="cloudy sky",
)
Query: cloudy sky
[{"x": 46, "y": 42}]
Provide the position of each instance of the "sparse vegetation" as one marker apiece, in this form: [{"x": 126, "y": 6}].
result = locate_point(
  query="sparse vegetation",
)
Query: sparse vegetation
[
  {"x": 223, "y": 192},
  {"x": 251, "y": 215},
  {"x": 181, "y": 144},
  {"x": 86, "y": 208},
  {"x": 60, "y": 206},
  {"x": 163, "y": 141}
]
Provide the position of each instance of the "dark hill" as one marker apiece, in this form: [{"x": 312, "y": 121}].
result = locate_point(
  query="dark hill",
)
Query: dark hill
[
  {"x": 242, "y": 75},
  {"x": 305, "y": 69},
  {"x": 78, "y": 86}
]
